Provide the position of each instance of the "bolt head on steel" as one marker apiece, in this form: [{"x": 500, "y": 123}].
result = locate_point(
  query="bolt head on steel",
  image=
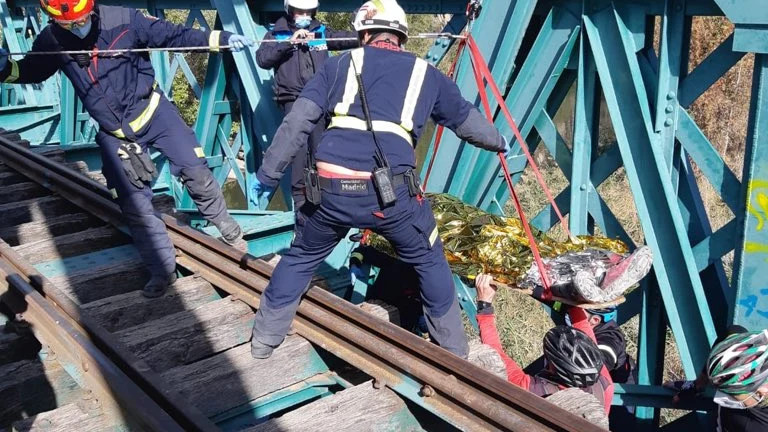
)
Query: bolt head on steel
[{"x": 427, "y": 391}]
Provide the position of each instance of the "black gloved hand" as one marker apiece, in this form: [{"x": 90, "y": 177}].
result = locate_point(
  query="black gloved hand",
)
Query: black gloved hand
[
  {"x": 137, "y": 164},
  {"x": 685, "y": 391},
  {"x": 82, "y": 59}
]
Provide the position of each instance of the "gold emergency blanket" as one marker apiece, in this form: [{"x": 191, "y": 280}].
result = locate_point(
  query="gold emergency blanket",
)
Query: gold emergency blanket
[{"x": 478, "y": 242}]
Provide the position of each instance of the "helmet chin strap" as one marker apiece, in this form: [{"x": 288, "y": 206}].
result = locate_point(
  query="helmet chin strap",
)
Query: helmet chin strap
[{"x": 763, "y": 403}]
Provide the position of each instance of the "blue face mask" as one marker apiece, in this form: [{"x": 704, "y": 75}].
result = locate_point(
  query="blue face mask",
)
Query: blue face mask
[
  {"x": 83, "y": 31},
  {"x": 303, "y": 21}
]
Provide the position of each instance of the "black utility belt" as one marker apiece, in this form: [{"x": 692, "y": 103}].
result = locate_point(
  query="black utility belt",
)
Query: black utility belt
[
  {"x": 285, "y": 99},
  {"x": 366, "y": 186}
]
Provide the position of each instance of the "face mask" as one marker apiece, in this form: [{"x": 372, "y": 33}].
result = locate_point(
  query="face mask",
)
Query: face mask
[
  {"x": 83, "y": 31},
  {"x": 726, "y": 401},
  {"x": 303, "y": 21}
]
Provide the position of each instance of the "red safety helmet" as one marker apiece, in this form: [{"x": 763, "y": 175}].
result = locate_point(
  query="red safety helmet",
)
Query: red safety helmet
[{"x": 67, "y": 10}]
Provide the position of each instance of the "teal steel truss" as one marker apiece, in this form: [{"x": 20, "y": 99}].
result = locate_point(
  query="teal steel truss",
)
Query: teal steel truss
[{"x": 630, "y": 58}]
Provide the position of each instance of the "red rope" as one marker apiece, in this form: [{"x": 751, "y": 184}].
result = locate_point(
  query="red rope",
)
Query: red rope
[
  {"x": 482, "y": 75},
  {"x": 486, "y": 73},
  {"x": 479, "y": 68},
  {"x": 527, "y": 227},
  {"x": 364, "y": 239}
]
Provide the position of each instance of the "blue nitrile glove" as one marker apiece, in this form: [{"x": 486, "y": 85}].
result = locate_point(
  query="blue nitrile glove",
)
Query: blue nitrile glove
[
  {"x": 507, "y": 147},
  {"x": 238, "y": 42},
  {"x": 3, "y": 58},
  {"x": 259, "y": 192},
  {"x": 356, "y": 273}
]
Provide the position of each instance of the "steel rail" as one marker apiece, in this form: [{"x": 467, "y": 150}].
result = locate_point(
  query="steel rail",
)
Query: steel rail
[
  {"x": 464, "y": 391},
  {"x": 139, "y": 371},
  {"x": 115, "y": 391},
  {"x": 488, "y": 397}
]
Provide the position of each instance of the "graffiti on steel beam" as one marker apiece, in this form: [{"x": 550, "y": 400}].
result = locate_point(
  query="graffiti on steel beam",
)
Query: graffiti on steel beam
[{"x": 757, "y": 205}]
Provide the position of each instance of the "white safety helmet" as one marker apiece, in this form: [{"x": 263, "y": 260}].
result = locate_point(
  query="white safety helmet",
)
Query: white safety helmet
[
  {"x": 300, "y": 4},
  {"x": 381, "y": 15}
]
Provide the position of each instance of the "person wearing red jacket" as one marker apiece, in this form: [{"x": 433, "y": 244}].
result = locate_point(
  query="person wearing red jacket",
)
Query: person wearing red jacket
[{"x": 571, "y": 355}]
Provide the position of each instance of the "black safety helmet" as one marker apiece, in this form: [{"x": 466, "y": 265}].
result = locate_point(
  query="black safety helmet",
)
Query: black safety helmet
[{"x": 575, "y": 357}]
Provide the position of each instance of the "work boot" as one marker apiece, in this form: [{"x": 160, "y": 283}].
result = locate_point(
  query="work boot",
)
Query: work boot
[
  {"x": 234, "y": 237},
  {"x": 158, "y": 285},
  {"x": 628, "y": 272},
  {"x": 260, "y": 350}
]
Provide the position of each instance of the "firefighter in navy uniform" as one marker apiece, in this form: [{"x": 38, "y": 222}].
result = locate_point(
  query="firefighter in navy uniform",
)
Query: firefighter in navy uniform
[
  {"x": 120, "y": 93},
  {"x": 295, "y": 60},
  {"x": 366, "y": 179}
]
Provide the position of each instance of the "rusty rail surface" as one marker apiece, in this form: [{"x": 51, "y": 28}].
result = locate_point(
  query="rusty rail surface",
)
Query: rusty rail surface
[{"x": 470, "y": 397}]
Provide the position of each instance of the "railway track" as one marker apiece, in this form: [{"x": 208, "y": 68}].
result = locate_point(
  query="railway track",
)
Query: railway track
[{"x": 83, "y": 349}]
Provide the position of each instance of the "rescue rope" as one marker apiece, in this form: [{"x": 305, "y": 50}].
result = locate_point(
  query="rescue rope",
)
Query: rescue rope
[
  {"x": 486, "y": 73},
  {"x": 108, "y": 52},
  {"x": 480, "y": 71}
]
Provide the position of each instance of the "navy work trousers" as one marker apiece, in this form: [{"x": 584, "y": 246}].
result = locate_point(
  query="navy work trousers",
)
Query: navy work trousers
[
  {"x": 167, "y": 133},
  {"x": 410, "y": 227},
  {"x": 301, "y": 161}
]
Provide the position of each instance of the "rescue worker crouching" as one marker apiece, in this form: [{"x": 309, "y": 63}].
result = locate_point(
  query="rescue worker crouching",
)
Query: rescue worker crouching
[
  {"x": 120, "y": 93},
  {"x": 402, "y": 92},
  {"x": 301, "y": 53}
]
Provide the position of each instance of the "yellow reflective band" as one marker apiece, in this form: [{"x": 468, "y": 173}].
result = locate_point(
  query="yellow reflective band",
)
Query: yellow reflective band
[
  {"x": 199, "y": 152},
  {"x": 139, "y": 122},
  {"x": 14, "y": 75},
  {"x": 52, "y": 11},
  {"x": 113, "y": 192},
  {"x": 348, "y": 122},
  {"x": 357, "y": 255},
  {"x": 433, "y": 237},
  {"x": 147, "y": 114},
  {"x": 80, "y": 6},
  {"x": 412, "y": 96},
  {"x": 379, "y": 5},
  {"x": 350, "y": 88},
  {"x": 213, "y": 40}
]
